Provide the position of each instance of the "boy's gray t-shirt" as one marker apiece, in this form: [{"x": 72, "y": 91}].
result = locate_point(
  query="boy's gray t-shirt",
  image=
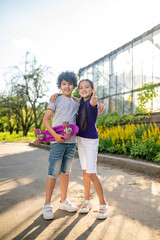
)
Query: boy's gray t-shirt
[{"x": 64, "y": 109}]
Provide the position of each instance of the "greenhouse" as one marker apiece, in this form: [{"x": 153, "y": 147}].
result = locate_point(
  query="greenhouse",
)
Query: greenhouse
[{"x": 119, "y": 75}]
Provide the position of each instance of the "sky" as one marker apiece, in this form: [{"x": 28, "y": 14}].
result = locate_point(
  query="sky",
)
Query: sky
[{"x": 69, "y": 34}]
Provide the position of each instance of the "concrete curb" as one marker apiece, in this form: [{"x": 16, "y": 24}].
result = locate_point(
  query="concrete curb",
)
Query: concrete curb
[{"x": 151, "y": 169}]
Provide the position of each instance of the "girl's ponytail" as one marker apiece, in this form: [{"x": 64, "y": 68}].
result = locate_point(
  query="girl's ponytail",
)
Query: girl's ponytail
[
  {"x": 84, "y": 116},
  {"x": 84, "y": 119}
]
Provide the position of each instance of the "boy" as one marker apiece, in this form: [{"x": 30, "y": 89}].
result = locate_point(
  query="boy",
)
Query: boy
[{"x": 62, "y": 151}]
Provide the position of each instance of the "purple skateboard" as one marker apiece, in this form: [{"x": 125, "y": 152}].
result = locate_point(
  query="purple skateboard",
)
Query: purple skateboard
[{"x": 67, "y": 130}]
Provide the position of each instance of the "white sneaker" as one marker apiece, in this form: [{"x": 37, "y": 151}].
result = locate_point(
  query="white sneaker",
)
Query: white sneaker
[
  {"x": 86, "y": 206},
  {"x": 103, "y": 212},
  {"x": 47, "y": 212},
  {"x": 67, "y": 205}
]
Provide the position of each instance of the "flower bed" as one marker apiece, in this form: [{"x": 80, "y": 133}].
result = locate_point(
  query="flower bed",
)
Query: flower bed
[{"x": 133, "y": 140}]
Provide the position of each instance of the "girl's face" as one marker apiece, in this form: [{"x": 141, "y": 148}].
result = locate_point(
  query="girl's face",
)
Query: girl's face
[{"x": 85, "y": 90}]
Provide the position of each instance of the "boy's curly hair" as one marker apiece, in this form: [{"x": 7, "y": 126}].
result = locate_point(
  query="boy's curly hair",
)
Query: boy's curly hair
[{"x": 67, "y": 76}]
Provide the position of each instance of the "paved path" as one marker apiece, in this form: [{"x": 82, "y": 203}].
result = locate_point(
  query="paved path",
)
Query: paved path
[{"x": 134, "y": 201}]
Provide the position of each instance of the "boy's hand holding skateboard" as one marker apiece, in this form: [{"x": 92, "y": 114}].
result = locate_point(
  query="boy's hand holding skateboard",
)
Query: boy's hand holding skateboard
[{"x": 58, "y": 138}]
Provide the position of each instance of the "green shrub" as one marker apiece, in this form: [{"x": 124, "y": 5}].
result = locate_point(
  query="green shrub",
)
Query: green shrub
[
  {"x": 114, "y": 118},
  {"x": 157, "y": 158}
]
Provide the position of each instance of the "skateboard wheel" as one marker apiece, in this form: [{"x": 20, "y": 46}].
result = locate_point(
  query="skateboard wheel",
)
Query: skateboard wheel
[
  {"x": 65, "y": 124},
  {"x": 38, "y": 142},
  {"x": 67, "y": 135},
  {"x": 37, "y": 131}
]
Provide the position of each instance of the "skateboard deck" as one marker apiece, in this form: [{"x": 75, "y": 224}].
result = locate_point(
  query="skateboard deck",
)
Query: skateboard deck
[{"x": 67, "y": 130}]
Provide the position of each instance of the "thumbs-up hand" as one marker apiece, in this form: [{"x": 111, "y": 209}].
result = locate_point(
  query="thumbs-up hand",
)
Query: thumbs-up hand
[{"x": 94, "y": 99}]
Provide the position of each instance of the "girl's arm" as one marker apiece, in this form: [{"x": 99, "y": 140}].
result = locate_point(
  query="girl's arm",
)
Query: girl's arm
[
  {"x": 54, "y": 96},
  {"x": 76, "y": 99},
  {"x": 101, "y": 108},
  {"x": 94, "y": 99},
  {"x": 94, "y": 102}
]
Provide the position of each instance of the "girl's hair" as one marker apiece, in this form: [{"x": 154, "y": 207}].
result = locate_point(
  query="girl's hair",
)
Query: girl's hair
[
  {"x": 84, "y": 113},
  {"x": 67, "y": 76}
]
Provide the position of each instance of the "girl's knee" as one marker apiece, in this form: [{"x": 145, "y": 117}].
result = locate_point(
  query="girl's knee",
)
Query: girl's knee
[{"x": 92, "y": 176}]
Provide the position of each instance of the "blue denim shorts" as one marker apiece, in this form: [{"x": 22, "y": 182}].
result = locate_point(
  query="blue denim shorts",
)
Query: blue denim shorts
[{"x": 60, "y": 159}]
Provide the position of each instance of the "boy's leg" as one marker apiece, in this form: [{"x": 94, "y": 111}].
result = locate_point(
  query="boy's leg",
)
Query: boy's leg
[
  {"x": 47, "y": 208},
  {"x": 65, "y": 204},
  {"x": 64, "y": 182},
  {"x": 55, "y": 160},
  {"x": 50, "y": 184},
  {"x": 66, "y": 168}
]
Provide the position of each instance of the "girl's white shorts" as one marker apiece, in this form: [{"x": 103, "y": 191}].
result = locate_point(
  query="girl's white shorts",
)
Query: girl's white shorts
[{"x": 88, "y": 150}]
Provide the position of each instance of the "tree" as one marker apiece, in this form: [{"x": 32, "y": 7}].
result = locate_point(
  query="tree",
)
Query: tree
[
  {"x": 28, "y": 86},
  {"x": 76, "y": 93},
  {"x": 146, "y": 94}
]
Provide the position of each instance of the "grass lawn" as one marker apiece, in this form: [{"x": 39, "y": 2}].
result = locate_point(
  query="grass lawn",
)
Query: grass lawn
[{"x": 6, "y": 137}]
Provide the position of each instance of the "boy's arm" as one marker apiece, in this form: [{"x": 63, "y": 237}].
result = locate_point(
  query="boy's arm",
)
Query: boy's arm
[{"x": 46, "y": 121}]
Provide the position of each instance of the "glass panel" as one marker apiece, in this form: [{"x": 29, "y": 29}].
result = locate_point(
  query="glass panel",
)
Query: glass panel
[
  {"x": 82, "y": 75},
  {"x": 156, "y": 69},
  {"x": 85, "y": 73},
  {"x": 95, "y": 75},
  {"x": 106, "y": 107},
  {"x": 156, "y": 56},
  {"x": 112, "y": 103},
  {"x": 119, "y": 67},
  {"x": 137, "y": 65},
  {"x": 113, "y": 64},
  {"x": 106, "y": 77},
  {"x": 156, "y": 101},
  {"x": 100, "y": 83},
  {"x": 127, "y": 103},
  {"x": 156, "y": 43},
  {"x": 146, "y": 46},
  {"x": 90, "y": 73},
  {"x": 113, "y": 84},
  {"x": 113, "y": 77},
  {"x": 100, "y": 87},
  {"x": 119, "y": 108},
  {"x": 127, "y": 69},
  {"x": 106, "y": 66},
  {"x": 135, "y": 101}
]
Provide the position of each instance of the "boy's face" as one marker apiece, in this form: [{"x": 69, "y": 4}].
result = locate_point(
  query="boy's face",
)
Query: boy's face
[{"x": 67, "y": 88}]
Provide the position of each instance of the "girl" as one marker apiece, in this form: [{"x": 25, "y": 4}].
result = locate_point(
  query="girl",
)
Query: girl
[{"x": 88, "y": 146}]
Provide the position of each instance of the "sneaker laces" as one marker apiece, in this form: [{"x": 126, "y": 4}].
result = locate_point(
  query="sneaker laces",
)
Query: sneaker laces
[
  {"x": 85, "y": 204},
  {"x": 101, "y": 210},
  {"x": 48, "y": 207},
  {"x": 68, "y": 202}
]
